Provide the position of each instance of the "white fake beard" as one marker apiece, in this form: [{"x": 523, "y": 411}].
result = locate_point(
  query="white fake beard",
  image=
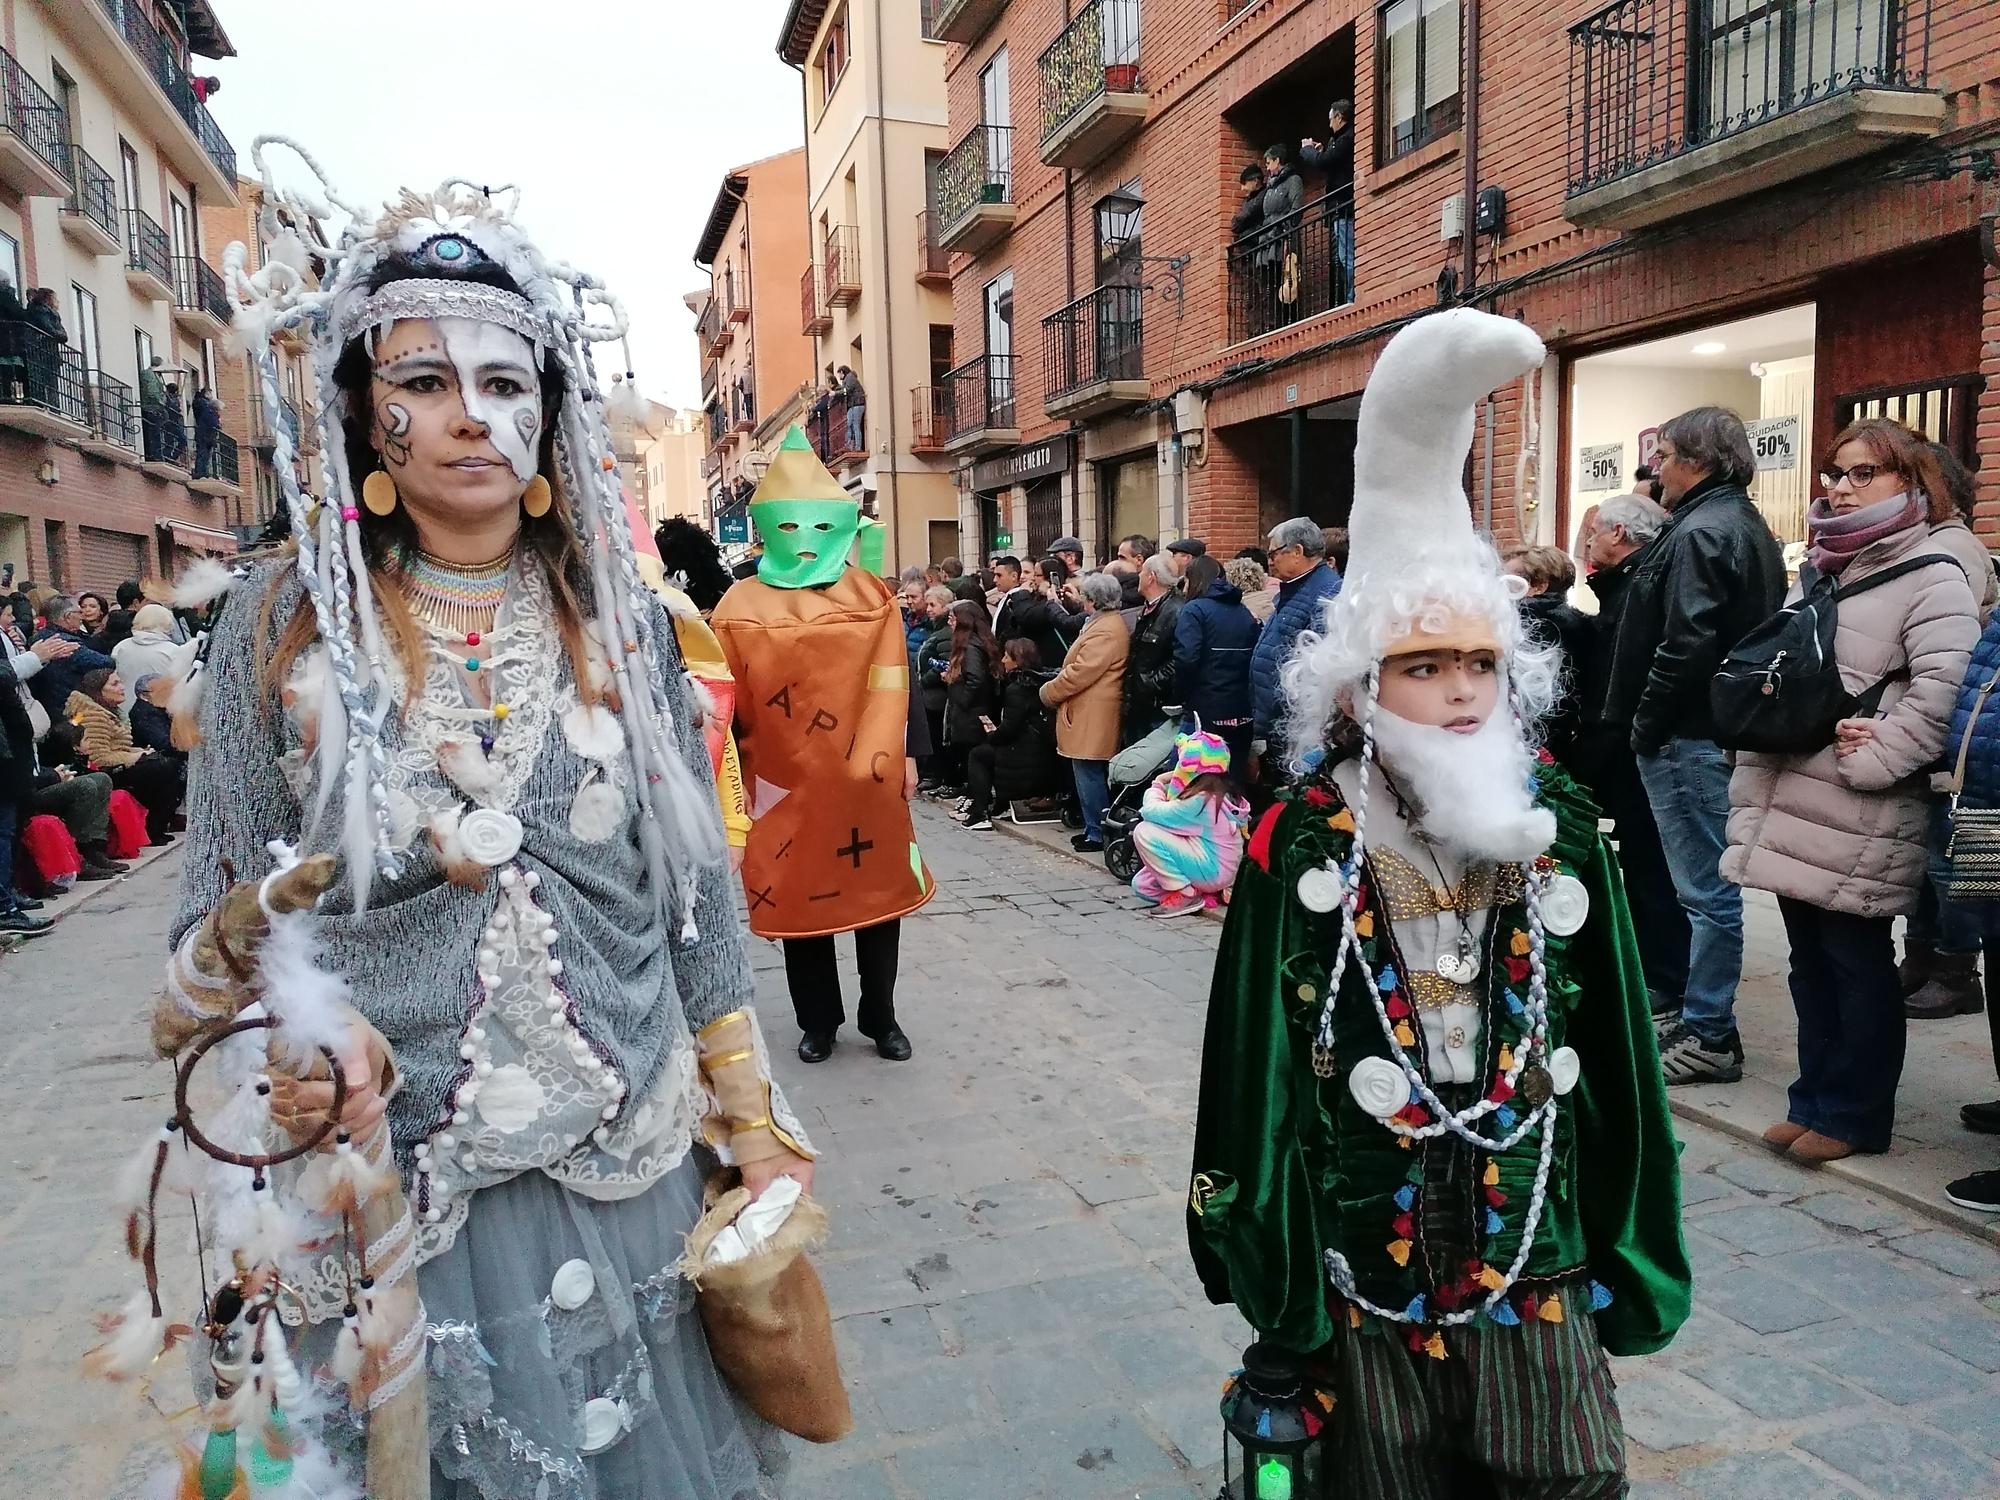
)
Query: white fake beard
[{"x": 1473, "y": 791}]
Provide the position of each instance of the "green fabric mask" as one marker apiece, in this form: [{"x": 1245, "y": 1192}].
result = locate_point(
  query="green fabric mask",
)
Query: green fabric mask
[{"x": 806, "y": 542}]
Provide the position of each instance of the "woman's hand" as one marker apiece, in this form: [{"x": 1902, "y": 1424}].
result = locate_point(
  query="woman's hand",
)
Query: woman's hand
[
  {"x": 759, "y": 1175},
  {"x": 301, "y": 1105},
  {"x": 1849, "y": 735},
  {"x": 909, "y": 778}
]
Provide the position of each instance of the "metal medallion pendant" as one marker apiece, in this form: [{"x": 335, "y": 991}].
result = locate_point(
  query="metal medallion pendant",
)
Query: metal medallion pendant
[
  {"x": 1461, "y": 967},
  {"x": 1535, "y": 1087},
  {"x": 1319, "y": 890}
]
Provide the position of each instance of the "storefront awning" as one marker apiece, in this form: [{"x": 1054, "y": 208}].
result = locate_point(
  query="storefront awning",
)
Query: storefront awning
[{"x": 198, "y": 538}]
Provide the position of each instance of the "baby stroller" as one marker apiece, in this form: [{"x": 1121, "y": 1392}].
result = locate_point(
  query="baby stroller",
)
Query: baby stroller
[{"x": 1132, "y": 771}]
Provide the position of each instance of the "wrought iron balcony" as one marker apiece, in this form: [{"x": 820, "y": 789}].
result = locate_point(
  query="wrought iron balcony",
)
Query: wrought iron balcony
[
  {"x": 201, "y": 306},
  {"x": 90, "y": 213},
  {"x": 933, "y": 260},
  {"x": 1091, "y": 99},
  {"x": 978, "y": 404},
  {"x": 815, "y": 317},
  {"x": 975, "y": 189},
  {"x": 217, "y": 466},
  {"x": 162, "y": 60},
  {"x": 43, "y": 389},
  {"x": 1093, "y": 356},
  {"x": 834, "y": 438},
  {"x": 114, "y": 417},
  {"x": 963, "y": 21},
  {"x": 303, "y": 436},
  {"x": 842, "y": 253},
  {"x": 149, "y": 265},
  {"x": 1295, "y": 269},
  {"x": 34, "y": 147},
  {"x": 713, "y": 328},
  {"x": 1677, "y": 105}
]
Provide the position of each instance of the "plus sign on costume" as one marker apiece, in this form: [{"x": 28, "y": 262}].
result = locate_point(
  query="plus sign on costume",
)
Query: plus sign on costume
[
  {"x": 1433, "y": 1151},
  {"x": 823, "y": 725}
]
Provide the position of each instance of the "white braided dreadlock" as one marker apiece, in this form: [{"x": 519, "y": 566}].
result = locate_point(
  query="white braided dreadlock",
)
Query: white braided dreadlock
[{"x": 680, "y": 830}]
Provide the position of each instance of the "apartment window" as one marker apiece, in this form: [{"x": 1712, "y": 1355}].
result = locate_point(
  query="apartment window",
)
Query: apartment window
[
  {"x": 180, "y": 227},
  {"x": 10, "y": 261},
  {"x": 208, "y": 364},
  {"x": 1418, "y": 73},
  {"x": 83, "y": 331},
  {"x": 128, "y": 175},
  {"x": 65, "y": 92},
  {"x": 833, "y": 55}
]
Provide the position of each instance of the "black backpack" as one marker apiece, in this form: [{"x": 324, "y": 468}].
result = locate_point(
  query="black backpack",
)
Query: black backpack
[{"x": 1779, "y": 690}]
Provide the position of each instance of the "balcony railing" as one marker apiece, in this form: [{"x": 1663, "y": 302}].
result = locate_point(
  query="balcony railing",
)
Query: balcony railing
[
  {"x": 1096, "y": 54},
  {"x": 712, "y": 328},
  {"x": 164, "y": 435},
  {"x": 814, "y": 315},
  {"x": 1650, "y": 80},
  {"x": 38, "y": 371},
  {"x": 978, "y": 396},
  {"x": 1094, "y": 342},
  {"x": 146, "y": 247},
  {"x": 834, "y": 438},
  {"x": 930, "y": 416},
  {"x": 198, "y": 288},
  {"x": 718, "y": 426},
  {"x": 27, "y": 111},
  {"x": 161, "y": 58},
  {"x": 933, "y": 260},
  {"x": 304, "y": 436},
  {"x": 114, "y": 412},
  {"x": 1297, "y": 268},
  {"x": 842, "y": 261},
  {"x": 215, "y": 457},
  {"x": 93, "y": 196},
  {"x": 978, "y": 171}
]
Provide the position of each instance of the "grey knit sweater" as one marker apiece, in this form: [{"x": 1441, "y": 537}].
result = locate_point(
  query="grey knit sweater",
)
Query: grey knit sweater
[{"x": 412, "y": 957}]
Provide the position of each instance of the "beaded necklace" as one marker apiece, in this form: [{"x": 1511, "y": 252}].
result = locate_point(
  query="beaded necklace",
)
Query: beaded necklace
[{"x": 459, "y": 597}]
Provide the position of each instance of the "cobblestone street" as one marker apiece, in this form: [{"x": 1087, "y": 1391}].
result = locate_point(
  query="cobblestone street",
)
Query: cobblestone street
[{"x": 1017, "y": 1314}]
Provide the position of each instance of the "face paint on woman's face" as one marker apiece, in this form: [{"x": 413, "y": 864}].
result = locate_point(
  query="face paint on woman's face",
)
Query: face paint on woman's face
[{"x": 500, "y": 385}]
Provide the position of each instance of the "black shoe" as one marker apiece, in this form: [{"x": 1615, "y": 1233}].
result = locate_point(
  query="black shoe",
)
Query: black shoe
[
  {"x": 1983, "y": 1118},
  {"x": 815, "y": 1047},
  {"x": 928, "y": 787},
  {"x": 17, "y": 923},
  {"x": 28, "y": 903},
  {"x": 96, "y": 872},
  {"x": 1980, "y": 1192},
  {"x": 1083, "y": 843},
  {"x": 893, "y": 1045}
]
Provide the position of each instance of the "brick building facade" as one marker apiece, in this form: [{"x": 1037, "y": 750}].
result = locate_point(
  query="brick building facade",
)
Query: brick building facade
[{"x": 1777, "y": 212}]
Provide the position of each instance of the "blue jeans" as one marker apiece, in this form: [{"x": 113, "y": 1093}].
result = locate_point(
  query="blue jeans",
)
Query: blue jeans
[
  {"x": 1851, "y": 1024},
  {"x": 854, "y": 418},
  {"x": 1093, "y": 794},
  {"x": 1688, "y": 786},
  {"x": 9, "y": 825}
]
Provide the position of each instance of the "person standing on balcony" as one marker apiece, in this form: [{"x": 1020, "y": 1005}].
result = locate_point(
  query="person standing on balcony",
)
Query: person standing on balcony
[
  {"x": 44, "y": 354},
  {"x": 173, "y": 425},
  {"x": 1277, "y": 256},
  {"x": 1335, "y": 157},
  {"x": 857, "y": 410},
  {"x": 1250, "y": 212},
  {"x": 153, "y": 408},
  {"x": 1710, "y": 577},
  {"x": 207, "y": 428}
]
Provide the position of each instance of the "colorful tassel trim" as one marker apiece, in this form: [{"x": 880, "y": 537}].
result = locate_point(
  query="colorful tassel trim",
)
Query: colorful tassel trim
[
  {"x": 1364, "y": 925},
  {"x": 1503, "y": 1314},
  {"x": 1399, "y": 1252},
  {"x": 1600, "y": 1296},
  {"x": 1406, "y": 1197},
  {"x": 1404, "y": 1036},
  {"x": 1551, "y": 1310},
  {"x": 1342, "y": 821},
  {"x": 1519, "y": 944},
  {"x": 1434, "y": 1346}
]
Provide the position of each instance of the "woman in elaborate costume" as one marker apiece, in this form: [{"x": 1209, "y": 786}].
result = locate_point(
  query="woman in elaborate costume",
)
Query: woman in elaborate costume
[{"x": 461, "y": 688}]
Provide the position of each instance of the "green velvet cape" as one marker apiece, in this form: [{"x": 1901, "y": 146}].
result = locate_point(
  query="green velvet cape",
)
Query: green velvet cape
[{"x": 1287, "y": 1165}]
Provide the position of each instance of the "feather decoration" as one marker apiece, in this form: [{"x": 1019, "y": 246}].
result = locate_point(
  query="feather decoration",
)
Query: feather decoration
[
  {"x": 184, "y": 707},
  {"x": 459, "y": 868},
  {"x": 598, "y": 812},
  {"x": 470, "y": 771},
  {"x": 202, "y": 582},
  {"x": 279, "y": 1231},
  {"x": 309, "y": 1003},
  {"x": 345, "y": 1364},
  {"x": 593, "y": 732},
  {"x": 341, "y": 1180},
  {"x": 136, "y": 1336},
  {"x": 704, "y": 700},
  {"x": 377, "y": 1336}
]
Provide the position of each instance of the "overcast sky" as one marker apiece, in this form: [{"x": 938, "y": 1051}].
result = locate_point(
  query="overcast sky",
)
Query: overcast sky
[{"x": 617, "y": 118}]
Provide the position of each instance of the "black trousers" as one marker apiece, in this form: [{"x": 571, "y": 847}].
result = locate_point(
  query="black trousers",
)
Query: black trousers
[
  {"x": 1606, "y": 766},
  {"x": 813, "y": 976}
]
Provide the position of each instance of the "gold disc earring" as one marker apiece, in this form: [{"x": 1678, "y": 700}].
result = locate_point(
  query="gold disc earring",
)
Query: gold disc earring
[
  {"x": 378, "y": 493},
  {"x": 538, "y": 497}
]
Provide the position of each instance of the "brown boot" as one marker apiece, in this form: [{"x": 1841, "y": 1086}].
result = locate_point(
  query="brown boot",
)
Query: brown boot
[
  {"x": 1814, "y": 1149},
  {"x": 1918, "y": 959},
  {"x": 1953, "y": 989},
  {"x": 1781, "y": 1135}
]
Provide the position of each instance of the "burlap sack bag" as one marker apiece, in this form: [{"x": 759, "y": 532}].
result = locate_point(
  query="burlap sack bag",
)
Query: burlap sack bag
[{"x": 767, "y": 1319}]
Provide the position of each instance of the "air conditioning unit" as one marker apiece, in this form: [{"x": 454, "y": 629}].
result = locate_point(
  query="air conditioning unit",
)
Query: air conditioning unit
[{"x": 1451, "y": 218}]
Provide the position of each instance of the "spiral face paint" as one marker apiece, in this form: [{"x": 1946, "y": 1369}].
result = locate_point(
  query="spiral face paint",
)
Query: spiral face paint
[{"x": 501, "y": 386}]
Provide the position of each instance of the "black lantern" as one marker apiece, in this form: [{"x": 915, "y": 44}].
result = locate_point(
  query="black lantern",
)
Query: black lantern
[{"x": 1275, "y": 1425}]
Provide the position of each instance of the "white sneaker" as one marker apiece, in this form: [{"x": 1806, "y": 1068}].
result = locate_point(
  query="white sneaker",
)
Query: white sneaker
[{"x": 984, "y": 825}]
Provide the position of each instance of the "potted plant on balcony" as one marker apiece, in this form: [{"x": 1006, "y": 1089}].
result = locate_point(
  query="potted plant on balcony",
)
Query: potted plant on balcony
[
  {"x": 992, "y": 192},
  {"x": 1121, "y": 78}
]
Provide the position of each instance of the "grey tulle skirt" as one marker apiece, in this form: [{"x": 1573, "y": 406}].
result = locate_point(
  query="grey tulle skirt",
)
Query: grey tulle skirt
[{"x": 537, "y": 1395}]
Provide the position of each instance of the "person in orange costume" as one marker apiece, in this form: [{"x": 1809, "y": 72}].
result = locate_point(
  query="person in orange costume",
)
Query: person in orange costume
[{"x": 823, "y": 725}]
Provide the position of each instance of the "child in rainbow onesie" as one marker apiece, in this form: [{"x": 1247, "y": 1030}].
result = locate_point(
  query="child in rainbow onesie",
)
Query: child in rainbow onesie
[
  {"x": 1190, "y": 831},
  {"x": 1432, "y": 1153}
]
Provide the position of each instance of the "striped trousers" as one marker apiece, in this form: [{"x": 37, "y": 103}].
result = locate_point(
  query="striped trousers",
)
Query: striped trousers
[{"x": 1526, "y": 1413}]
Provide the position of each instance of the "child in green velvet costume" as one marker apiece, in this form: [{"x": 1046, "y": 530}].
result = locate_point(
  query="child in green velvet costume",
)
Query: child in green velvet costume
[{"x": 1433, "y": 1149}]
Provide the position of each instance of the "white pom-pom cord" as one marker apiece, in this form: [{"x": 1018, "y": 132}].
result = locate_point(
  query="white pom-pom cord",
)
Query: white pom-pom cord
[
  {"x": 469, "y": 770},
  {"x": 137, "y": 1337}
]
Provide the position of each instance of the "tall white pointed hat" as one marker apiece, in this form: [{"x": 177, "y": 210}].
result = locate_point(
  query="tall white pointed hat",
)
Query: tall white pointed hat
[{"x": 1419, "y": 577}]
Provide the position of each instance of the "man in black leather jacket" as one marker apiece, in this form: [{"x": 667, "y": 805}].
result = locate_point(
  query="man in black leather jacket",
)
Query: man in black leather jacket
[
  {"x": 1149, "y": 663},
  {"x": 1710, "y": 577}
]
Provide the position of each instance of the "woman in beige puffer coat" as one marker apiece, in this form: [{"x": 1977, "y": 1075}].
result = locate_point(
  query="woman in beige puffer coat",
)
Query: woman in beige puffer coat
[{"x": 1839, "y": 835}]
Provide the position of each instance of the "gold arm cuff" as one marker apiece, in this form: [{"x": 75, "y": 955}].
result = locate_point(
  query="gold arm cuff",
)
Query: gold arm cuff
[
  {"x": 721, "y": 1021},
  {"x": 728, "y": 1057}
]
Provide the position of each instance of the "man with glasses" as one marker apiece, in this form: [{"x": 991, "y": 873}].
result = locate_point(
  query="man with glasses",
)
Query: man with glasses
[
  {"x": 1306, "y": 580},
  {"x": 1714, "y": 574}
]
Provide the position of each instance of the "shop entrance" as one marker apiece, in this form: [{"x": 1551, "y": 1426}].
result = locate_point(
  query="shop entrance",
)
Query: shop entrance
[{"x": 1759, "y": 367}]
